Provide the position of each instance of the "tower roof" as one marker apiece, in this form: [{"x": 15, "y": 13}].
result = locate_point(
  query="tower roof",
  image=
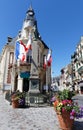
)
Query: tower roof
[
  {"x": 30, "y": 16},
  {"x": 30, "y": 12},
  {"x": 30, "y": 9}
]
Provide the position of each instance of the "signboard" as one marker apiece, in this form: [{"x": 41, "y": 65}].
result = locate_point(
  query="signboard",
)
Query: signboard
[{"x": 25, "y": 74}]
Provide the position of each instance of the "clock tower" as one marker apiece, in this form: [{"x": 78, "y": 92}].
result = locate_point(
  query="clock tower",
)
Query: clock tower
[{"x": 30, "y": 75}]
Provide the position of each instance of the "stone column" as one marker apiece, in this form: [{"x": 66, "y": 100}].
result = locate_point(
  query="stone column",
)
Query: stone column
[
  {"x": 13, "y": 79},
  {"x": 20, "y": 80},
  {"x": 34, "y": 77},
  {"x": 20, "y": 83}
]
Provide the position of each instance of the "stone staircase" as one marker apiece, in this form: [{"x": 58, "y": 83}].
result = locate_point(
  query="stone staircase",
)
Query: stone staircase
[
  {"x": 32, "y": 99},
  {"x": 37, "y": 99}
]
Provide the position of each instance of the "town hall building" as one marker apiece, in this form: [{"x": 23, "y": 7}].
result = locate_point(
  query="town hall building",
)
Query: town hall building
[{"x": 26, "y": 60}]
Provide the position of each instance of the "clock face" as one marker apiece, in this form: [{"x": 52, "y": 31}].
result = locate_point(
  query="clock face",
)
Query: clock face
[{"x": 30, "y": 13}]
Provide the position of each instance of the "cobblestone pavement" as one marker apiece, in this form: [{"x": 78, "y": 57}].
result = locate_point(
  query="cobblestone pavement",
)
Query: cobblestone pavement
[
  {"x": 43, "y": 118},
  {"x": 78, "y": 124},
  {"x": 79, "y": 99}
]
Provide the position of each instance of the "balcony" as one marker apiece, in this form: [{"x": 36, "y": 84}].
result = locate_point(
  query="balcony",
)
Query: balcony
[
  {"x": 80, "y": 70},
  {"x": 81, "y": 59},
  {"x": 75, "y": 78}
]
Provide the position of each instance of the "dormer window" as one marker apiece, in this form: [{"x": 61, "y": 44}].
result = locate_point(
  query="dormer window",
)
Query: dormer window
[{"x": 19, "y": 34}]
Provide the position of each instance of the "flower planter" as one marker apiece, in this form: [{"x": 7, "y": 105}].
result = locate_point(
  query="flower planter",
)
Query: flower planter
[
  {"x": 18, "y": 99},
  {"x": 67, "y": 110},
  {"x": 22, "y": 102},
  {"x": 15, "y": 103},
  {"x": 64, "y": 120}
]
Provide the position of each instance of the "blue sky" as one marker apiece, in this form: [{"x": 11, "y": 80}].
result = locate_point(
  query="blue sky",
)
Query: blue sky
[{"x": 60, "y": 23}]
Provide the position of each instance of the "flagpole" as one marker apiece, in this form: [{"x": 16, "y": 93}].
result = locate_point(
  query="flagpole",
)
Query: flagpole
[
  {"x": 48, "y": 64},
  {"x": 46, "y": 79}
]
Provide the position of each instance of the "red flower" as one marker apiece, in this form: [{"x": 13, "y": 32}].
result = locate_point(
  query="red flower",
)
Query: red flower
[{"x": 55, "y": 103}]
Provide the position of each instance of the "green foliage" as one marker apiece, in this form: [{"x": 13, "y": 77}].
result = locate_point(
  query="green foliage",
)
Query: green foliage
[
  {"x": 65, "y": 94},
  {"x": 18, "y": 95}
]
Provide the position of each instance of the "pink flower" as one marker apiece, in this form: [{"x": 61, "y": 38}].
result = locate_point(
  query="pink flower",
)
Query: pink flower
[
  {"x": 71, "y": 117},
  {"x": 72, "y": 113}
]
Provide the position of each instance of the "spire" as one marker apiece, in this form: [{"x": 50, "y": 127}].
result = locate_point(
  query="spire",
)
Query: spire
[
  {"x": 30, "y": 17},
  {"x": 30, "y": 8},
  {"x": 30, "y": 11}
]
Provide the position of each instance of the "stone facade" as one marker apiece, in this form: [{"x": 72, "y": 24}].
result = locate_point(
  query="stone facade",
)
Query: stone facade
[{"x": 6, "y": 60}]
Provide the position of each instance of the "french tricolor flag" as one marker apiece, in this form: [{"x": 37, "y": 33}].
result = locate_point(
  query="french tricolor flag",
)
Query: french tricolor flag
[
  {"x": 49, "y": 58},
  {"x": 45, "y": 62},
  {"x": 29, "y": 44},
  {"x": 17, "y": 52},
  {"x": 20, "y": 51}
]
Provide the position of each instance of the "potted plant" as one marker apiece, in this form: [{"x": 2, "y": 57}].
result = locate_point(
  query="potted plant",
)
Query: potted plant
[
  {"x": 18, "y": 99},
  {"x": 67, "y": 110},
  {"x": 65, "y": 94}
]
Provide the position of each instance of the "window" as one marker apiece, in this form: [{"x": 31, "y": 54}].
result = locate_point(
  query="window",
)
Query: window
[
  {"x": 38, "y": 55},
  {"x": 11, "y": 57},
  {"x": 29, "y": 56}
]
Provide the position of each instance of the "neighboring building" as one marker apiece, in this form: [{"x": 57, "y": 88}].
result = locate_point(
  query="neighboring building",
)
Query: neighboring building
[
  {"x": 72, "y": 75},
  {"x": 26, "y": 72},
  {"x": 55, "y": 84},
  {"x": 77, "y": 67},
  {"x": 66, "y": 77}
]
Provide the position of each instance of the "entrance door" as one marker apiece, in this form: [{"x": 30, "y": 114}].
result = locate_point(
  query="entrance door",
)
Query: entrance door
[
  {"x": 26, "y": 84},
  {"x": 15, "y": 83},
  {"x": 81, "y": 89}
]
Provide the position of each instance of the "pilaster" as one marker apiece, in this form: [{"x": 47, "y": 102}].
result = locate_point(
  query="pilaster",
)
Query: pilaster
[{"x": 20, "y": 83}]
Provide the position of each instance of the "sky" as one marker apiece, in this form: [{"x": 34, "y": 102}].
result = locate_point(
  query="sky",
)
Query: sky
[{"x": 60, "y": 24}]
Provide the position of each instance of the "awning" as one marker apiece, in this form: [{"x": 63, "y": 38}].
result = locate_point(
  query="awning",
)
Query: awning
[{"x": 25, "y": 74}]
